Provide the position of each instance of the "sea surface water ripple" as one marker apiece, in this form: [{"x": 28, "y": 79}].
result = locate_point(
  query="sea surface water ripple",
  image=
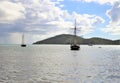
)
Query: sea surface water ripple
[{"x": 58, "y": 64}]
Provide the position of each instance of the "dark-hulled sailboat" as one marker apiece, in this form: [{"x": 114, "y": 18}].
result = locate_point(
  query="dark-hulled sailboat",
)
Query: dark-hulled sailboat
[
  {"x": 23, "y": 45},
  {"x": 74, "y": 45}
]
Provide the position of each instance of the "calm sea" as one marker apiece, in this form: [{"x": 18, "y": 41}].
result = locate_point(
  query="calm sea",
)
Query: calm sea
[{"x": 58, "y": 64}]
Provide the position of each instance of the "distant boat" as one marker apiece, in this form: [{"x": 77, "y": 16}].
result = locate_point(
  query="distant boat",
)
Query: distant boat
[
  {"x": 99, "y": 47},
  {"x": 74, "y": 45},
  {"x": 90, "y": 44},
  {"x": 23, "y": 45}
]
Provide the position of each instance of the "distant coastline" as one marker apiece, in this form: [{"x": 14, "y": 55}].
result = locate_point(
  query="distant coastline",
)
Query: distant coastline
[{"x": 67, "y": 38}]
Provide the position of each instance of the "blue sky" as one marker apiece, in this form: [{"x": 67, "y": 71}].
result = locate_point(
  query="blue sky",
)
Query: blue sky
[
  {"x": 40, "y": 19},
  {"x": 85, "y": 8},
  {"x": 91, "y": 8}
]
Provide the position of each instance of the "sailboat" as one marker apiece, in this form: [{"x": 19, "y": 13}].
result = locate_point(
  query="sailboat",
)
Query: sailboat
[
  {"x": 23, "y": 45},
  {"x": 74, "y": 45}
]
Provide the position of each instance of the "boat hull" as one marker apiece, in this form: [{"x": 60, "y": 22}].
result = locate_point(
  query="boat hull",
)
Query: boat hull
[
  {"x": 23, "y": 45},
  {"x": 75, "y": 47}
]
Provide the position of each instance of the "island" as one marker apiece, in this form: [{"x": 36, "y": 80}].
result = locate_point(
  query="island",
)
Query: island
[{"x": 67, "y": 39}]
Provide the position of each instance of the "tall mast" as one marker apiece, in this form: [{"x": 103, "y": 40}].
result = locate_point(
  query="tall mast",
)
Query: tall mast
[
  {"x": 22, "y": 38},
  {"x": 75, "y": 28}
]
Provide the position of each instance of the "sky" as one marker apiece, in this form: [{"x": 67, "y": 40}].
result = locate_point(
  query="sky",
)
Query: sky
[{"x": 41, "y": 19}]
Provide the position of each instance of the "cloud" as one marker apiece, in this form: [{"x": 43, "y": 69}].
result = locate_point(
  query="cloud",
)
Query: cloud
[
  {"x": 100, "y": 1},
  {"x": 15, "y": 38},
  {"x": 10, "y": 12},
  {"x": 40, "y": 19},
  {"x": 86, "y": 22},
  {"x": 114, "y": 13},
  {"x": 112, "y": 29},
  {"x": 114, "y": 25}
]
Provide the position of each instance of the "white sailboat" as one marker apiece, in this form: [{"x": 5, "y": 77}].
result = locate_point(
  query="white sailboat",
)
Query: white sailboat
[{"x": 23, "y": 45}]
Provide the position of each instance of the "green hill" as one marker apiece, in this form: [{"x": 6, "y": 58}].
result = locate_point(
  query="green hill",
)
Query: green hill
[{"x": 67, "y": 39}]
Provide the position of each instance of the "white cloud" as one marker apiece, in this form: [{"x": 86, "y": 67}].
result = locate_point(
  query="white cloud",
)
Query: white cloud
[
  {"x": 112, "y": 29},
  {"x": 114, "y": 25},
  {"x": 44, "y": 19},
  {"x": 86, "y": 22},
  {"x": 114, "y": 13},
  {"x": 10, "y": 12},
  {"x": 101, "y": 1},
  {"x": 48, "y": 14},
  {"x": 15, "y": 38}
]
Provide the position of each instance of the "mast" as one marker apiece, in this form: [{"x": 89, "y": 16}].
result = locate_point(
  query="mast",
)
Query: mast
[
  {"x": 22, "y": 38},
  {"x": 75, "y": 28},
  {"x": 74, "y": 46},
  {"x": 23, "y": 45}
]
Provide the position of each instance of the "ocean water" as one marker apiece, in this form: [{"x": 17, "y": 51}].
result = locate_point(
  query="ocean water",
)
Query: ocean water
[{"x": 58, "y": 64}]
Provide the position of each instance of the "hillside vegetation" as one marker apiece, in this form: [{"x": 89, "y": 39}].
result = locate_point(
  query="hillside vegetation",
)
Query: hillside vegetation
[{"x": 67, "y": 39}]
